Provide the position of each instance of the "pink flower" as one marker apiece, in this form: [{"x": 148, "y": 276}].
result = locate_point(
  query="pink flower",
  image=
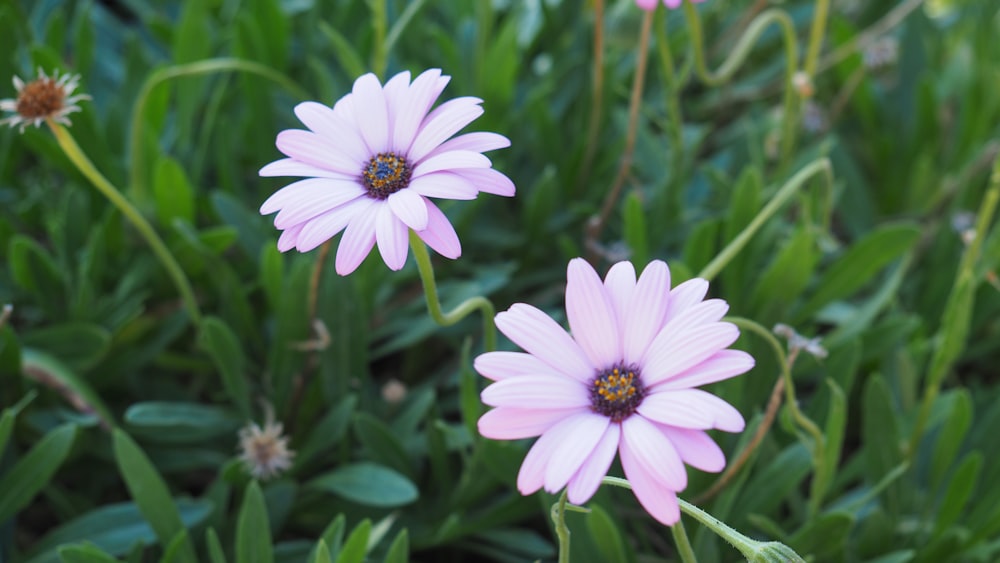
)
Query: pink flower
[
  {"x": 624, "y": 381},
  {"x": 672, "y": 4},
  {"x": 372, "y": 161}
]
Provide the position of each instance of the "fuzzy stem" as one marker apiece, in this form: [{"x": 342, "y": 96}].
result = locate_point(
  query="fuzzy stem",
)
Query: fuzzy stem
[
  {"x": 459, "y": 312},
  {"x": 87, "y": 168},
  {"x": 558, "y": 514},
  {"x": 684, "y": 549}
]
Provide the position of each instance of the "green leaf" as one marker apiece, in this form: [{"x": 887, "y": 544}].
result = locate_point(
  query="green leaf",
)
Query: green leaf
[
  {"x": 149, "y": 491},
  {"x": 836, "y": 424},
  {"x": 181, "y": 422},
  {"x": 369, "y": 484},
  {"x": 356, "y": 545},
  {"x": 34, "y": 270},
  {"x": 959, "y": 491},
  {"x": 772, "y": 485},
  {"x": 215, "y": 551},
  {"x": 41, "y": 365},
  {"x": 383, "y": 444},
  {"x": 952, "y": 435},
  {"x": 176, "y": 547},
  {"x": 824, "y": 536},
  {"x": 859, "y": 265},
  {"x": 787, "y": 275},
  {"x": 605, "y": 534},
  {"x": 253, "y": 533},
  {"x": 219, "y": 341},
  {"x": 347, "y": 57},
  {"x": 399, "y": 550},
  {"x": 80, "y": 345},
  {"x": 84, "y": 554},
  {"x": 32, "y": 472},
  {"x": 328, "y": 431},
  {"x": 880, "y": 431},
  {"x": 172, "y": 191},
  {"x": 468, "y": 388},
  {"x": 634, "y": 224},
  {"x": 320, "y": 553}
]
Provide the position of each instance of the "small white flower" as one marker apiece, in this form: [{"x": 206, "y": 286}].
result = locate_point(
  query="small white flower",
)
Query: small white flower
[
  {"x": 264, "y": 451},
  {"x": 45, "y": 97}
]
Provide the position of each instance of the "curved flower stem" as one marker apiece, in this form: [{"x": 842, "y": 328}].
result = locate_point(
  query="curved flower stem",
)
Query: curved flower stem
[
  {"x": 772, "y": 207},
  {"x": 753, "y": 550},
  {"x": 597, "y": 96},
  {"x": 137, "y": 168},
  {"x": 684, "y": 548},
  {"x": 463, "y": 309},
  {"x": 739, "y": 54},
  {"x": 676, "y": 120},
  {"x": 85, "y": 166},
  {"x": 558, "y": 515},
  {"x": 821, "y": 11},
  {"x": 597, "y": 223}
]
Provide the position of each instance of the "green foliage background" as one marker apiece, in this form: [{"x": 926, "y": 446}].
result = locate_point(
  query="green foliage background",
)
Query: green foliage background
[{"x": 118, "y": 434}]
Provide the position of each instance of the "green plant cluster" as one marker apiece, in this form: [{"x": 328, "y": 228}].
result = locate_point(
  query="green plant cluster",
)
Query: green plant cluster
[{"x": 868, "y": 226}]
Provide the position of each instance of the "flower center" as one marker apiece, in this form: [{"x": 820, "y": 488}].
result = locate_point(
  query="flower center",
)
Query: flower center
[
  {"x": 40, "y": 98},
  {"x": 386, "y": 174},
  {"x": 616, "y": 392}
]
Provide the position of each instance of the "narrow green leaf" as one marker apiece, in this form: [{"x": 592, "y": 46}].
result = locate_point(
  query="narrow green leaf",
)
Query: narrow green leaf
[
  {"x": 328, "y": 431},
  {"x": 399, "y": 550},
  {"x": 836, "y": 424},
  {"x": 177, "y": 549},
  {"x": 786, "y": 276},
  {"x": 34, "y": 270},
  {"x": 369, "y": 484},
  {"x": 952, "y": 435},
  {"x": 84, "y": 554},
  {"x": 469, "y": 391},
  {"x": 177, "y": 422},
  {"x": 172, "y": 191},
  {"x": 253, "y": 532},
  {"x": 383, "y": 444},
  {"x": 80, "y": 345},
  {"x": 823, "y": 537},
  {"x": 149, "y": 491},
  {"x": 320, "y": 553},
  {"x": 880, "y": 432},
  {"x": 605, "y": 535},
  {"x": 333, "y": 535},
  {"x": 636, "y": 231},
  {"x": 215, "y": 551},
  {"x": 32, "y": 472},
  {"x": 219, "y": 341},
  {"x": 356, "y": 545},
  {"x": 959, "y": 491}
]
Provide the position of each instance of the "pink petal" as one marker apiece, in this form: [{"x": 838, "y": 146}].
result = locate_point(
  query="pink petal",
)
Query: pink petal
[
  {"x": 708, "y": 311},
  {"x": 439, "y": 234},
  {"x": 501, "y": 365},
  {"x": 536, "y": 391},
  {"x": 585, "y": 483},
  {"x": 659, "y": 500},
  {"x": 651, "y": 449},
  {"x": 476, "y": 142},
  {"x": 321, "y": 229},
  {"x": 391, "y": 235},
  {"x": 371, "y": 113},
  {"x": 340, "y": 132},
  {"x": 538, "y": 334},
  {"x": 314, "y": 150},
  {"x": 684, "y": 296},
  {"x": 443, "y": 185},
  {"x": 620, "y": 283},
  {"x": 358, "y": 240},
  {"x": 678, "y": 348},
  {"x": 410, "y": 208},
  {"x": 680, "y": 408},
  {"x": 309, "y": 198},
  {"x": 647, "y": 5},
  {"x": 412, "y": 108},
  {"x": 292, "y": 167},
  {"x": 488, "y": 180},
  {"x": 446, "y": 120},
  {"x": 288, "y": 237},
  {"x": 450, "y": 161},
  {"x": 511, "y": 423},
  {"x": 696, "y": 448},
  {"x": 721, "y": 365},
  {"x": 646, "y": 310},
  {"x": 531, "y": 477},
  {"x": 395, "y": 91},
  {"x": 591, "y": 315},
  {"x": 673, "y": 4},
  {"x": 571, "y": 454}
]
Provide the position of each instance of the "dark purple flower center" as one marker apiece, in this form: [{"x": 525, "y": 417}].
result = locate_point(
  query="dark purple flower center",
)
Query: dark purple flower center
[
  {"x": 616, "y": 392},
  {"x": 386, "y": 174}
]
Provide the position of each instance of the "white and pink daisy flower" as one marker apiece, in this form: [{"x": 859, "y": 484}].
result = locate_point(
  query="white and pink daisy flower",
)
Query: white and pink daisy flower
[
  {"x": 624, "y": 382},
  {"x": 372, "y": 162}
]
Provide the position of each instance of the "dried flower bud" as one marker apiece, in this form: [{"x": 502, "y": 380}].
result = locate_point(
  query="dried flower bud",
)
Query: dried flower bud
[{"x": 45, "y": 97}]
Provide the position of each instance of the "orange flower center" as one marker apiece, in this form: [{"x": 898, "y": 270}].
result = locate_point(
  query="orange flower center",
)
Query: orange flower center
[
  {"x": 40, "y": 98},
  {"x": 385, "y": 175},
  {"x": 617, "y": 392}
]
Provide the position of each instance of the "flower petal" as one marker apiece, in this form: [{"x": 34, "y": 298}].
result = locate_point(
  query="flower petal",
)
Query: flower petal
[
  {"x": 292, "y": 167},
  {"x": 410, "y": 208},
  {"x": 696, "y": 448},
  {"x": 539, "y": 335},
  {"x": 289, "y": 237},
  {"x": 678, "y": 348},
  {"x": 684, "y": 296},
  {"x": 511, "y": 423},
  {"x": 358, "y": 240},
  {"x": 531, "y": 477},
  {"x": 536, "y": 391},
  {"x": 620, "y": 283},
  {"x": 691, "y": 408},
  {"x": 653, "y": 452},
  {"x": 446, "y": 120},
  {"x": 658, "y": 499},
  {"x": 395, "y": 91},
  {"x": 335, "y": 129},
  {"x": 314, "y": 150},
  {"x": 371, "y": 113},
  {"x": 721, "y": 365},
  {"x": 591, "y": 315},
  {"x": 414, "y": 106},
  {"x": 503, "y": 364},
  {"x": 488, "y": 180},
  {"x": 309, "y": 198},
  {"x": 321, "y": 229},
  {"x": 570, "y": 455},
  {"x": 451, "y": 160},
  {"x": 391, "y": 235},
  {"x": 443, "y": 185},
  {"x": 480, "y": 141},
  {"x": 646, "y": 310},
  {"x": 585, "y": 483},
  {"x": 439, "y": 234}
]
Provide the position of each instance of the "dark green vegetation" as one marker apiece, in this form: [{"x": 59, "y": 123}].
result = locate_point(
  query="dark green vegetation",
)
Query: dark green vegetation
[{"x": 119, "y": 432}]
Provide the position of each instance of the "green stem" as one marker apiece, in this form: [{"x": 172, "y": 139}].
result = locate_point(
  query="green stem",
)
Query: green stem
[
  {"x": 597, "y": 96},
  {"x": 138, "y": 176},
  {"x": 379, "y": 28},
  {"x": 739, "y": 54},
  {"x": 684, "y": 548},
  {"x": 676, "y": 119},
  {"x": 780, "y": 198},
  {"x": 558, "y": 515},
  {"x": 463, "y": 309},
  {"x": 85, "y": 166},
  {"x": 820, "y": 13}
]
